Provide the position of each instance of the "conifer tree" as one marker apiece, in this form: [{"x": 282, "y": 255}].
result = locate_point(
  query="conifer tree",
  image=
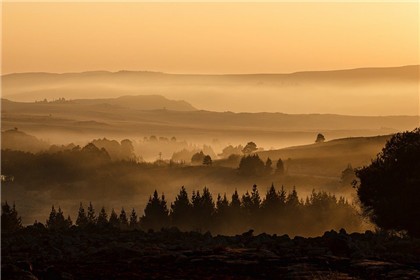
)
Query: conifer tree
[
  {"x": 255, "y": 198},
  {"x": 123, "y": 219},
  {"x": 222, "y": 205},
  {"x": 52, "y": 218},
  {"x": 82, "y": 220},
  {"x": 272, "y": 199},
  {"x": 113, "y": 219},
  {"x": 181, "y": 210},
  {"x": 156, "y": 214},
  {"x": 102, "y": 218},
  {"x": 91, "y": 217},
  {"x": 56, "y": 220},
  {"x": 133, "y": 219},
  {"x": 69, "y": 221},
  {"x": 235, "y": 202}
]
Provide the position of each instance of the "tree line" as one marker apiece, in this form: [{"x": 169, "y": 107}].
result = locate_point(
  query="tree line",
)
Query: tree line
[{"x": 278, "y": 212}]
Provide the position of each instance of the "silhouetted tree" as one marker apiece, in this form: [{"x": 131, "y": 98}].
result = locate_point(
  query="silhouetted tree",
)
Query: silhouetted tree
[
  {"x": 389, "y": 187},
  {"x": 181, "y": 210},
  {"x": 102, "y": 220},
  {"x": 113, "y": 219},
  {"x": 320, "y": 138},
  {"x": 82, "y": 220},
  {"x": 56, "y": 220},
  {"x": 133, "y": 219},
  {"x": 280, "y": 167},
  {"x": 203, "y": 207},
  {"x": 91, "y": 217},
  {"x": 235, "y": 202},
  {"x": 268, "y": 166},
  {"x": 251, "y": 166},
  {"x": 249, "y": 148},
  {"x": 156, "y": 213},
  {"x": 207, "y": 160},
  {"x": 123, "y": 219},
  {"x": 272, "y": 201},
  {"x": 10, "y": 221},
  {"x": 198, "y": 158}
]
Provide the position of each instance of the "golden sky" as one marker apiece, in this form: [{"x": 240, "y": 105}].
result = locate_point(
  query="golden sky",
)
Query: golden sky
[{"x": 207, "y": 37}]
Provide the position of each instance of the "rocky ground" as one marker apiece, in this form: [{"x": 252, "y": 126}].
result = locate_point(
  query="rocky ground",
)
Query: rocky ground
[{"x": 170, "y": 254}]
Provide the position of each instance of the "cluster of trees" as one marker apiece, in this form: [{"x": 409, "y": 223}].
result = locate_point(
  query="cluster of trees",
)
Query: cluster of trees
[
  {"x": 277, "y": 212},
  {"x": 123, "y": 150},
  {"x": 252, "y": 165},
  {"x": 10, "y": 220},
  {"x": 201, "y": 158}
]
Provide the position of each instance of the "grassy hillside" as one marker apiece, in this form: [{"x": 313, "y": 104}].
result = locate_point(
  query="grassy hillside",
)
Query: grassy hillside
[{"x": 329, "y": 158}]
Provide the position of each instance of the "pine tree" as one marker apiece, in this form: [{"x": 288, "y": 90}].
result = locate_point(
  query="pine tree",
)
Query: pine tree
[
  {"x": 272, "y": 199},
  {"x": 156, "y": 214},
  {"x": 204, "y": 208},
  {"x": 133, "y": 219},
  {"x": 102, "y": 218},
  {"x": 91, "y": 217},
  {"x": 123, "y": 219},
  {"x": 113, "y": 219},
  {"x": 255, "y": 198},
  {"x": 69, "y": 222},
  {"x": 60, "y": 220},
  {"x": 82, "y": 220},
  {"x": 51, "y": 222},
  {"x": 181, "y": 210},
  {"x": 222, "y": 204},
  {"x": 235, "y": 202},
  {"x": 293, "y": 199},
  {"x": 56, "y": 220}
]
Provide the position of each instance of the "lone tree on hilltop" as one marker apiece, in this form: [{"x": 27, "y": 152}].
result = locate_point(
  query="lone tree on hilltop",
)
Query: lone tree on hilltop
[
  {"x": 389, "y": 188},
  {"x": 320, "y": 138}
]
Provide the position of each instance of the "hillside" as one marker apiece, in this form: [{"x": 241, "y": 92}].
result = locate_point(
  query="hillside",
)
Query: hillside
[
  {"x": 329, "y": 158},
  {"x": 14, "y": 139},
  {"x": 88, "y": 119},
  {"x": 367, "y": 91}
]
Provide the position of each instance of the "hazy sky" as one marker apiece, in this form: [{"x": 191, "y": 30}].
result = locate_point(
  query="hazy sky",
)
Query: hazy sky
[{"x": 207, "y": 37}]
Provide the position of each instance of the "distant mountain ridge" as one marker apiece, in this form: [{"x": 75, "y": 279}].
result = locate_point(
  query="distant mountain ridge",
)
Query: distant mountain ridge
[
  {"x": 362, "y": 91},
  {"x": 138, "y": 102}
]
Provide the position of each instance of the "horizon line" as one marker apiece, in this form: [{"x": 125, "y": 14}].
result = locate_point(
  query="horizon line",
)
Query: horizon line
[{"x": 208, "y": 74}]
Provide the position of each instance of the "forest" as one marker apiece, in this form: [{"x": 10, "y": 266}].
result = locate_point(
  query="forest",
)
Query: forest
[{"x": 279, "y": 211}]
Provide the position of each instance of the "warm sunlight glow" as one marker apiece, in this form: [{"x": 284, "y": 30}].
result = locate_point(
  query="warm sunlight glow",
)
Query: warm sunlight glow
[{"x": 208, "y": 37}]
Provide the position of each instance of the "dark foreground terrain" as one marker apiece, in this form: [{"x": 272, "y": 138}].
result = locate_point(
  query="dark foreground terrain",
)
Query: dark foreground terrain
[{"x": 170, "y": 254}]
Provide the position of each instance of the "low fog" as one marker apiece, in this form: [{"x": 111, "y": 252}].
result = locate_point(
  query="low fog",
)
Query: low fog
[
  {"x": 368, "y": 91},
  {"x": 126, "y": 172}
]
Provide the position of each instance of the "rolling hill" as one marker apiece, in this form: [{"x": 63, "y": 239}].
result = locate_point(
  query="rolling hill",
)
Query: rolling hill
[
  {"x": 120, "y": 118},
  {"x": 328, "y": 158}
]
